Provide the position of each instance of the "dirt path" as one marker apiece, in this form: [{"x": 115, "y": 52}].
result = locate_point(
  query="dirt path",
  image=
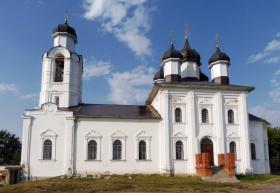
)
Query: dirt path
[{"x": 265, "y": 189}]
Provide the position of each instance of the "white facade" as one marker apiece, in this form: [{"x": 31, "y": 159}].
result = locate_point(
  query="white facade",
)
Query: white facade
[
  {"x": 189, "y": 69},
  {"x": 219, "y": 69},
  {"x": 57, "y": 140}
]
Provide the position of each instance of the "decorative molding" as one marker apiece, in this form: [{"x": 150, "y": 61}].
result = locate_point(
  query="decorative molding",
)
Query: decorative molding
[
  {"x": 205, "y": 101},
  {"x": 179, "y": 135},
  {"x": 143, "y": 135},
  {"x": 231, "y": 102},
  {"x": 118, "y": 134},
  {"x": 253, "y": 138},
  {"x": 178, "y": 99},
  {"x": 93, "y": 134},
  {"x": 48, "y": 134},
  {"x": 233, "y": 135}
]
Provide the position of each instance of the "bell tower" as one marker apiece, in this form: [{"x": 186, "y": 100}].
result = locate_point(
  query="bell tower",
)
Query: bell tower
[{"x": 62, "y": 69}]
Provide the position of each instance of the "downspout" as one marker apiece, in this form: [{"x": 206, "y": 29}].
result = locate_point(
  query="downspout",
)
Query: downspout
[
  {"x": 73, "y": 152},
  {"x": 171, "y": 160},
  {"x": 28, "y": 147}
]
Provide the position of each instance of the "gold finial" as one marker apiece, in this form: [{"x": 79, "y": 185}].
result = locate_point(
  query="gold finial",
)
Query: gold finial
[
  {"x": 217, "y": 40},
  {"x": 66, "y": 16},
  {"x": 186, "y": 34},
  {"x": 171, "y": 37}
]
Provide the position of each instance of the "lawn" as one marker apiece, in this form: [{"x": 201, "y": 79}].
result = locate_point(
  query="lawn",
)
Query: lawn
[{"x": 139, "y": 183}]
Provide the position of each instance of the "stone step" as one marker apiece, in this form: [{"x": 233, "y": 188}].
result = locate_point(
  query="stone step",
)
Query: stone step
[{"x": 219, "y": 175}]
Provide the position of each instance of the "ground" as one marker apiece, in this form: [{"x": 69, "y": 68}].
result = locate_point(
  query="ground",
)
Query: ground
[{"x": 147, "y": 183}]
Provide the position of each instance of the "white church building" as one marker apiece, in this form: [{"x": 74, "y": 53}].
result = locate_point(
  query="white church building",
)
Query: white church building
[{"x": 185, "y": 114}]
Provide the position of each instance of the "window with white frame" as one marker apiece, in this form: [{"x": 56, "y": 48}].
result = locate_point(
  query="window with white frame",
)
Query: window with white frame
[
  {"x": 179, "y": 150},
  {"x": 47, "y": 150},
  {"x": 232, "y": 148},
  {"x": 118, "y": 146},
  {"x": 178, "y": 115},
  {"x": 92, "y": 150},
  {"x": 143, "y": 146},
  {"x": 117, "y": 150},
  {"x": 179, "y": 146},
  {"x": 253, "y": 151},
  {"x": 92, "y": 146},
  {"x": 230, "y": 116},
  {"x": 205, "y": 115},
  {"x": 48, "y": 144}
]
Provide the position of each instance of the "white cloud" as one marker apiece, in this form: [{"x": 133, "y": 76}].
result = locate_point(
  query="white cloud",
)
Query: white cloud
[
  {"x": 30, "y": 96},
  {"x": 131, "y": 86},
  {"x": 127, "y": 20},
  {"x": 256, "y": 57},
  {"x": 274, "y": 93},
  {"x": 96, "y": 69},
  {"x": 272, "y": 46},
  {"x": 271, "y": 115},
  {"x": 273, "y": 60},
  {"x": 5, "y": 88},
  {"x": 270, "y": 54}
]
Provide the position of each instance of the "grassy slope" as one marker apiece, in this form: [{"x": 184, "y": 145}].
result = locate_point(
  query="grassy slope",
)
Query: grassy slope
[{"x": 138, "y": 183}]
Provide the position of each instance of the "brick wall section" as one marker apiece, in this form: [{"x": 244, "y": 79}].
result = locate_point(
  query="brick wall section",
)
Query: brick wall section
[
  {"x": 221, "y": 160},
  {"x": 229, "y": 165},
  {"x": 203, "y": 167}
]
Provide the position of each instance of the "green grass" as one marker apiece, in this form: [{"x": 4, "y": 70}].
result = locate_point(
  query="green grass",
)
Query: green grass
[{"x": 138, "y": 183}]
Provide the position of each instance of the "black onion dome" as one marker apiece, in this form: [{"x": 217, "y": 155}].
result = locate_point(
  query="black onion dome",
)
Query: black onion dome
[
  {"x": 190, "y": 54},
  {"x": 203, "y": 77},
  {"x": 159, "y": 75},
  {"x": 171, "y": 53},
  {"x": 219, "y": 55},
  {"x": 65, "y": 28}
]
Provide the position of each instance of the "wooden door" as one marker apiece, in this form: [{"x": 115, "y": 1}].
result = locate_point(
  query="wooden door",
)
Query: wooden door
[{"x": 207, "y": 147}]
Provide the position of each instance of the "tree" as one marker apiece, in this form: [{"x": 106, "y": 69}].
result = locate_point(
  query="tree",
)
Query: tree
[
  {"x": 10, "y": 148},
  {"x": 274, "y": 147},
  {"x": 274, "y": 140}
]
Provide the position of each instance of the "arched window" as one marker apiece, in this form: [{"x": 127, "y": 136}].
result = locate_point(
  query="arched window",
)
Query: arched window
[
  {"x": 47, "y": 150},
  {"x": 253, "y": 151},
  {"x": 59, "y": 68},
  {"x": 92, "y": 150},
  {"x": 232, "y": 148},
  {"x": 142, "y": 150},
  {"x": 230, "y": 116},
  {"x": 178, "y": 115},
  {"x": 117, "y": 150},
  {"x": 205, "y": 116},
  {"x": 179, "y": 150}
]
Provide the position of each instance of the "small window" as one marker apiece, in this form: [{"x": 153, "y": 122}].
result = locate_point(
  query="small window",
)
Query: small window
[
  {"x": 205, "y": 116},
  {"x": 179, "y": 150},
  {"x": 92, "y": 150},
  {"x": 59, "y": 69},
  {"x": 117, "y": 150},
  {"x": 230, "y": 116},
  {"x": 232, "y": 148},
  {"x": 56, "y": 100},
  {"x": 142, "y": 150},
  {"x": 178, "y": 115},
  {"x": 253, "y": 151},
  {"x": 47, "y": 150}
]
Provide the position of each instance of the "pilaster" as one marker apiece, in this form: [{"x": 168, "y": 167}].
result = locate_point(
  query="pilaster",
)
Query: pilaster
[
  {"x": 193, "y": 125},
  {"x": 69, "y": 146},
  {"x": 246, "y": 165}
]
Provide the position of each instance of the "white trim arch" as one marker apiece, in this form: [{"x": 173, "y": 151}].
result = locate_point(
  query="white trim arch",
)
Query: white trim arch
[
  {"x": 143, "y": 136},
  {"x": 52, "y": 136},
  {"x": 97, "y": 137},
  {"x": 235, "y": 138},
  {"x": 118, "y": 135},
  {"x": 179, "y": 136}
]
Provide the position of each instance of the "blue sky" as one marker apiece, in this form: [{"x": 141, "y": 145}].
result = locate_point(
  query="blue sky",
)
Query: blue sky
[{"x": 122, "y": 43}]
